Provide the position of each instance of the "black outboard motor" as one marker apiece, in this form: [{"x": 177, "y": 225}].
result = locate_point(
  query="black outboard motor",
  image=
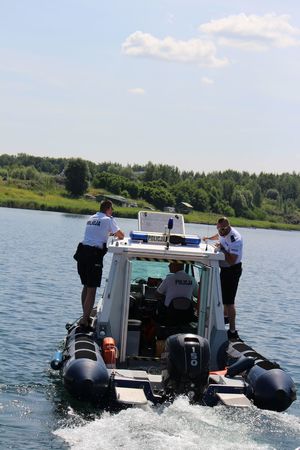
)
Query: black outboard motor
[
  {"x": 271, "y": 389},
  {"x": 84, "y": 372},
  {"x": 187, "y": 359}
]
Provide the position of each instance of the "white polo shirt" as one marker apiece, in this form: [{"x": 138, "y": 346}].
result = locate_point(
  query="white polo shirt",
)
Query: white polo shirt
[
  {"x": 98, "y": 228},
  {"x": 232, "y": 243},
  {"x": 179, "y": 284}
]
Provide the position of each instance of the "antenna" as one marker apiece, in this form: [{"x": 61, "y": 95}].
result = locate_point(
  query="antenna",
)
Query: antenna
[
  {"x": 170, "y": 226},
  {"x": 207, "y": 234}
]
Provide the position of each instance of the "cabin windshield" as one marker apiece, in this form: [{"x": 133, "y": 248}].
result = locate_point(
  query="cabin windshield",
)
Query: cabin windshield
[
  {"x": 142, "y": 270},
  {"x": 145, "y": 313},
  {"x": 151, "y": 272},
  {"x": 146, "y": 276}
]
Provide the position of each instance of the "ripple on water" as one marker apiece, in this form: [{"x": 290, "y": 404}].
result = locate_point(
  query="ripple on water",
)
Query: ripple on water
[{"x": 40, "y": 292}]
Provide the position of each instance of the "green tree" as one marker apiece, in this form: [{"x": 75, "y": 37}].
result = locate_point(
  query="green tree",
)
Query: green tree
[
  {"x": 239, "y": 202},
  {"x": 257, "y": 196},
  {"x": 77, "y": 177},
  {"x": 200, "y": 200},
  {"x": 159, "y": 197},
  {"x": 228, "y": 188},
  {"x": 214, "y": 199},
  {"x": 183, "y": 191},
  {"x": 249, "y": 198},
  {"x": 272, "y": 194}
]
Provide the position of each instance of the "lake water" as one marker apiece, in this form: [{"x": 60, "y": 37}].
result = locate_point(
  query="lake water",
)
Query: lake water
[{"x": 40, "y": 292}]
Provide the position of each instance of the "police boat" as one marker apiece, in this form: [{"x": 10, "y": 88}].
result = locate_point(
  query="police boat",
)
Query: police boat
[{"x": 131, "y": 355}]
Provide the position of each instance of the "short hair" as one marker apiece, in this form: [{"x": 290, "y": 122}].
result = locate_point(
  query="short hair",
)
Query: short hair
[
  {"x": 105, "y": 205},
  {"x": 223, "y": 219},
  {"x": 176, "y": 266}
]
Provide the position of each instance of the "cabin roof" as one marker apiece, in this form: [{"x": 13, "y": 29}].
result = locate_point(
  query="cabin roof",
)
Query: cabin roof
[{"x": 133, "y": 249}]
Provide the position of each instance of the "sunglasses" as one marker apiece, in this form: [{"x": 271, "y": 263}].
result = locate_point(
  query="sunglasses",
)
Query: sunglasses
[{"x": 222, "y": 228}]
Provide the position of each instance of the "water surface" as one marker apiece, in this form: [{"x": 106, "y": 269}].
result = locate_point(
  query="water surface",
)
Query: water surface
[{"x": 40, "y": 292}]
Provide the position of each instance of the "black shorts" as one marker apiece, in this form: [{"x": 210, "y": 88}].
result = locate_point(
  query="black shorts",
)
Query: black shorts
[
  {"x": 89, "y": 264},
  {"x": 229, "y": 282}
]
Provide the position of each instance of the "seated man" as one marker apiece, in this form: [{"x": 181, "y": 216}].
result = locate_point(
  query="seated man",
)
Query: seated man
[{"x": 178, "y": 284}]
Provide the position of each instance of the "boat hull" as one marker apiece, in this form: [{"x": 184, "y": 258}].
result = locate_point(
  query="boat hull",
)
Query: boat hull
[{"x": 184, "y": 370}]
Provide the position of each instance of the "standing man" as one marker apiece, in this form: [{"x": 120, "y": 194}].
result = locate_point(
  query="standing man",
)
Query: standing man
[
  {"x": 231, "y": 244},
  {"x": 90, "y": 253}
]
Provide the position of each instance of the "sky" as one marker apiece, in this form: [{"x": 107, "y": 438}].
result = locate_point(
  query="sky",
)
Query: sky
[{"x": 202, "y": 85}]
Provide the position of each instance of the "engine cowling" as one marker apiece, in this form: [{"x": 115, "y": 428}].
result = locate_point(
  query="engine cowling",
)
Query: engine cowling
[{"x": 186, "y": 361}]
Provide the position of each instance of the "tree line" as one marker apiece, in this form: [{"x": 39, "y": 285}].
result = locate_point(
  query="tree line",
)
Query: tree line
[{"x": 264, "y": 196}]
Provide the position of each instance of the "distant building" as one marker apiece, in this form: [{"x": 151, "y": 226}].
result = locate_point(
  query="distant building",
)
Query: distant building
[
  {"x": 169, "y": 209},
  {"x": 116, "y": 199},
  {"x": 184, "y": 208},
  {"x": 89, "y": 197}
]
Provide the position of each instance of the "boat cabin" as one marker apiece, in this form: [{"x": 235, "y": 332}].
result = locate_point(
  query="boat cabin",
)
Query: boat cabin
[{"x": 129, "y": 308}]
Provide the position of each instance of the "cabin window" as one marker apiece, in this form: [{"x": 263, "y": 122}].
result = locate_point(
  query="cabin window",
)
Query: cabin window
[
  {"x": 146, "y": 276},
  {"x": 143, "y": 270}
]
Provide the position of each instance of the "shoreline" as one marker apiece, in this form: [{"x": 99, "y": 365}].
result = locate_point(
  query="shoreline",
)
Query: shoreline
[{"x": 131, "y": 213}]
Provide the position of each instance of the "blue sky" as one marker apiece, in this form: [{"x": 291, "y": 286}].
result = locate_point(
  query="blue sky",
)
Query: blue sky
[{"x": 201, "y": 85}]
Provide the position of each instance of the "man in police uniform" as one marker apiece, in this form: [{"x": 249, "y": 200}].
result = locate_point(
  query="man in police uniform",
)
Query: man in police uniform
[
  {"x": 177, "y": 283},
  {"x": 231, "y": 244},
  {"x": 90, "y": 253}
]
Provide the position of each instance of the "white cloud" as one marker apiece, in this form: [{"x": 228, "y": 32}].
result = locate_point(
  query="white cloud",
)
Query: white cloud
[
  {"x": 206, "y": 80},
  {"x": 200, "y": 51},
  {"x": 254, "y": 32},
  {"x": 137, "y": 91}
]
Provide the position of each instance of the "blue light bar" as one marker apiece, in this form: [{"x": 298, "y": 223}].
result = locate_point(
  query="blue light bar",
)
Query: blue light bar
[
  {"x": 192, "y": 240},
  {"x": 175, "y": 239},
  {"x": 147, "y": 237}
]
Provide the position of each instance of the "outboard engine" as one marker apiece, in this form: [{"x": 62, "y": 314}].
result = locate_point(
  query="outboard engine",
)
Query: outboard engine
[
  {"x": 186, "y": 370},
  {"x": 85, "y": 374},
  {"x": 271, "y": 389}
]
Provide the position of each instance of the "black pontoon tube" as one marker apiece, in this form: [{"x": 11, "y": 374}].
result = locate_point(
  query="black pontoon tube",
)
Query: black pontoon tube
[
  {"x": 241, "y": 365},
  {"x": 271, "y": 389},
  {"x": 269, "y": 386},
  {"x": 84, "y": 371}
]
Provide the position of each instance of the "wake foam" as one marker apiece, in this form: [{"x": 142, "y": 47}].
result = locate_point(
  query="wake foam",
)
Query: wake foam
[{"x": 183, "y": 426}]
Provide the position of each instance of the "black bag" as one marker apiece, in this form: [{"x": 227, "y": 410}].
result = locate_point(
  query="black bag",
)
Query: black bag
[{"x": 85, "y": 252}]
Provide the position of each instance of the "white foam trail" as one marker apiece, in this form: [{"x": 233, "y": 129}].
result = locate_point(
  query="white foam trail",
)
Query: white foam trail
[{"x": 179, "y": 426}]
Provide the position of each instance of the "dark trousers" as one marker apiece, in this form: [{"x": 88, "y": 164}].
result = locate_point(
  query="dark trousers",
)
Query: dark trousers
[{"x": 230, "y": 277}]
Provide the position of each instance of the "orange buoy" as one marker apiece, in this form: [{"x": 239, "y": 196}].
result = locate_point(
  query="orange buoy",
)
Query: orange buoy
[{"x": 109, "y": 352}]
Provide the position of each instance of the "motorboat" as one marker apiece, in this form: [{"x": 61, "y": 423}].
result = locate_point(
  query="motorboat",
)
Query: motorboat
[{"x": 131, "y": 355}]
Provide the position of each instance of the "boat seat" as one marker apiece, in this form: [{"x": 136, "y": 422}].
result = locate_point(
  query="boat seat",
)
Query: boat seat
[
  {"x": 180, "y": 311},
  {"x": 181, "y": 303},
  {"x": 178, "y": 317},
  {"x": 163, "y": 331}
]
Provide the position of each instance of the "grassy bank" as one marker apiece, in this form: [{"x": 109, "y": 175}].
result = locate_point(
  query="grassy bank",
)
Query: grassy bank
[{"x": 14, "y": 197}]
